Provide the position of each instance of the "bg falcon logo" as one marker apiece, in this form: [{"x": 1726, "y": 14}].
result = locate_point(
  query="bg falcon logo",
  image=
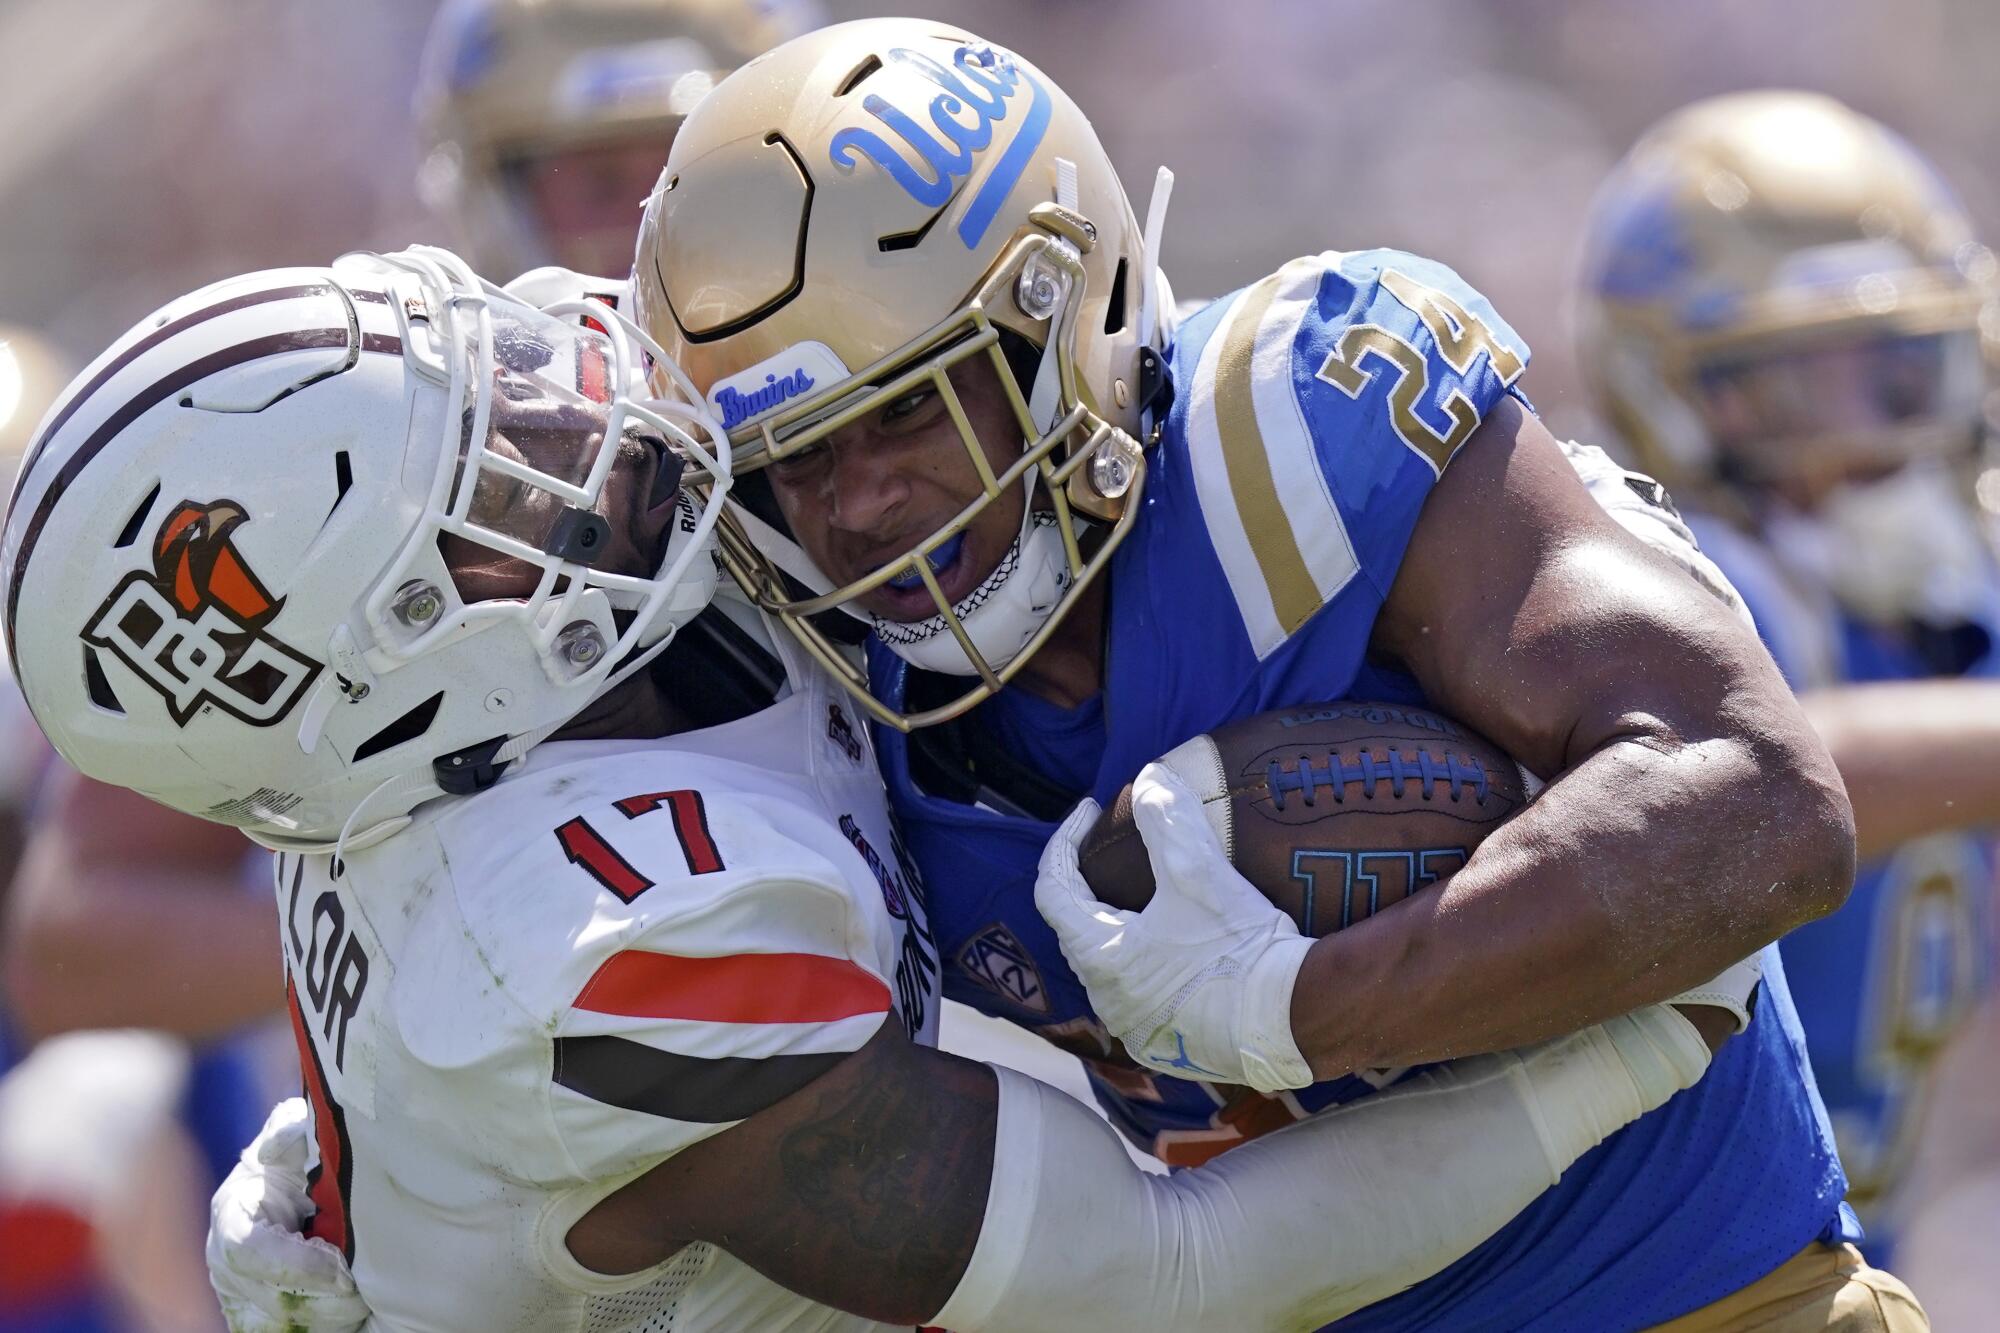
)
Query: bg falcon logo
[{"x": 193, "y": 626}]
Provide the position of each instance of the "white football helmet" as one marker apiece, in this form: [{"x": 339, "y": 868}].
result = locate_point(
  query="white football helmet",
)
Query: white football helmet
[{"x": 226, "y": 574}]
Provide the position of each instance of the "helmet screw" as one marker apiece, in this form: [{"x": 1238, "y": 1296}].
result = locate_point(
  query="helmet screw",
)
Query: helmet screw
[
  {"x": 417, "y": 603},
  {"x": 580, "y": 644},
  {"x": 1036, "y": 291},
  {"x": 1111, "y": 470}
]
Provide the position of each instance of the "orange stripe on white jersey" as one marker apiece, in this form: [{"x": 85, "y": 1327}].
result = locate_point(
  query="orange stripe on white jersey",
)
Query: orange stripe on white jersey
[{"x": 739, "y": 988}]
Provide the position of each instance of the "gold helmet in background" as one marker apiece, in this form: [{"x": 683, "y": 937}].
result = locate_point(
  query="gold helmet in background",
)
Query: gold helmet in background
[
  {"x": 507, "y": 85},
  {"x": 1749, "y": 232},
  {"x": 857, "y": 213},
  {"x": 1788, "y": 318}
]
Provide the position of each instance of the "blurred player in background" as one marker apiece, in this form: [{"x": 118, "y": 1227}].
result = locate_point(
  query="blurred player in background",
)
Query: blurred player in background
[
  {"x": 547, "y": 121},
  {"x": 98, "y": 1177},
  {"x": 1787, "y": 315}
]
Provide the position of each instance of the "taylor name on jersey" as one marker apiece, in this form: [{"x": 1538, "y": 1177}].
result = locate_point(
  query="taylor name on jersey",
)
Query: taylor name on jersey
[{"x": 525, "y": 1000}]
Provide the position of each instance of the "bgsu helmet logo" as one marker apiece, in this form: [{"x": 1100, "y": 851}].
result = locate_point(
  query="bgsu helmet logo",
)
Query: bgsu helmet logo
[{"x": 193, "y": 626}]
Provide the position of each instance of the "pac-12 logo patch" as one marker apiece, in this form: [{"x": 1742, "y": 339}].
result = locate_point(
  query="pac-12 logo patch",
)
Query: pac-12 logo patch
[
  {"x": 193, "y": 626},
  {"x": 996, "y": 960}
]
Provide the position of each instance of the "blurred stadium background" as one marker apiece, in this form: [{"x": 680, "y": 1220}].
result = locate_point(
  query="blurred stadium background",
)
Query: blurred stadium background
[{"x": 154, "y": 145}]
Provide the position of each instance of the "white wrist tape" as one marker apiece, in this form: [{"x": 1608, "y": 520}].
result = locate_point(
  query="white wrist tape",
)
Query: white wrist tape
[
  {"x": 1307, "y": 1224},
  {"x": 1732, "y": 991},
  {"x": 1271, "y": 1058}
]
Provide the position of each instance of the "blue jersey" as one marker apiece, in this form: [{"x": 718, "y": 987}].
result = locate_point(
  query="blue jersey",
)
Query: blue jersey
[
  {"x": 1312, "y": 414},
  {"x": 1885, "y": 982}
]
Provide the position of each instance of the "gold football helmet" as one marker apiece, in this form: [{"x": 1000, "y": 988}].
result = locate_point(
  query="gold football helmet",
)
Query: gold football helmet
[
  {"x": 857, "y": 213},
  {"x": 1754, "y": 251},
  {"x": 507, "y": 84}
]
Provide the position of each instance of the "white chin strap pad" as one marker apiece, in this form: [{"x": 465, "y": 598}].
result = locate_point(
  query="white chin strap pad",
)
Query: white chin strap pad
[{"x": 1001, "y": 614}]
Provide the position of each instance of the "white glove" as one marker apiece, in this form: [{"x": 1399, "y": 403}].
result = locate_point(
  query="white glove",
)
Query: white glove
[
  {"x": 269, "y": 1277},
  {"x": 1199, "y": 984}
]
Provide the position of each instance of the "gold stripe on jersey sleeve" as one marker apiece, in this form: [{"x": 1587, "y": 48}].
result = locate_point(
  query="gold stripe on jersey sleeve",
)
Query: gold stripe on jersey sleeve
[{"x": 1294, "y": 595}]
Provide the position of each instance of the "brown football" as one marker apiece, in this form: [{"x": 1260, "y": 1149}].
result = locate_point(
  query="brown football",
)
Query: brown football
[{"x": 1335, "y": 811}]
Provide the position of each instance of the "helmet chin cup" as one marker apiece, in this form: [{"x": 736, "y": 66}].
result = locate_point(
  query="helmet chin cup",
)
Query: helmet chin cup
[{"x": 988, "y": 628}]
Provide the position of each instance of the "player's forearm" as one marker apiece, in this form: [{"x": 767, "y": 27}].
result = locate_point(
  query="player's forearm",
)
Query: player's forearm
[
  {"x": 914, "y": 1187},
  {"x": 1917, "y": 756},
  {"x": 1305, "y": 1225},
  {"x": 179, "y": 954},
  {"x": 1645, "y": 870}
]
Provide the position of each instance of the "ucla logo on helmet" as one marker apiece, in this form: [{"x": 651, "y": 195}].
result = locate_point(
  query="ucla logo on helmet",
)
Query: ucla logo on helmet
[
  {"x": 980, "y": 80},
  {"x": 193, "y": 626}
]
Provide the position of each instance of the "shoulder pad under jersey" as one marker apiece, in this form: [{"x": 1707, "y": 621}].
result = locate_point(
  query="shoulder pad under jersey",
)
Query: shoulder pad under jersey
[{"x": 1317, "y": 408}]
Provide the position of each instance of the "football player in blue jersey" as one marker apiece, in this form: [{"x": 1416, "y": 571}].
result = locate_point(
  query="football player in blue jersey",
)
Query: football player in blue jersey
[
  {"x": 1788, "y": 316},
  {"x": 900, "y": 265}
]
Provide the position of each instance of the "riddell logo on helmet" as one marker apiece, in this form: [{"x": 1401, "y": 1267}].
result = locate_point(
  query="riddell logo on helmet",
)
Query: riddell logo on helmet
[
  {"x": 981, "y": 80},
  {"x": 192, "y": 627}
]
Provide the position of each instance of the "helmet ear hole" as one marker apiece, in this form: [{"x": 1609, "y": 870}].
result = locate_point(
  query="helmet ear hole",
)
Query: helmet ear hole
[
  {"x": 130, "y": 532},
  {"x": 403, "y": 730},
  {"x": 1114, "y": 309},
  {"x": 97, "y": 686},
  {"x": 1024, "y": 359}
]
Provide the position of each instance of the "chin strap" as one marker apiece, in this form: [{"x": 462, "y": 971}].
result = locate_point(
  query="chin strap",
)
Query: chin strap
[
  {"x": 790, "y": 558},
  {"x": 1150, "y": 320},
  {"x": 1156, "y": 300}
]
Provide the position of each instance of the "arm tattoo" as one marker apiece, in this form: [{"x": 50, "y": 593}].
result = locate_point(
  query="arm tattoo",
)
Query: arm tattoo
[
  {"x": 864, "y": 1190},
  {"x": 896, "y": 1172}
]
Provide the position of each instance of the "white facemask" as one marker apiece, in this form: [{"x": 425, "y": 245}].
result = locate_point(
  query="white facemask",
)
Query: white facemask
[{"x": 1906, "y": 547}]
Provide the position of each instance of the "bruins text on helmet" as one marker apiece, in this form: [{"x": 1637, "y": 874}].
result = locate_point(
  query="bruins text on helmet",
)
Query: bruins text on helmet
[
  {"x": 895, "y": 213},
  {"x": 298, "y": 627}
]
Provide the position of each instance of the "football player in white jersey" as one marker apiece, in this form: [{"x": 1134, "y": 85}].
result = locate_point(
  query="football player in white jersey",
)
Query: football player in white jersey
[
  {"x": 544, "y": 123},
  {"x": 598, "y": 1034}
]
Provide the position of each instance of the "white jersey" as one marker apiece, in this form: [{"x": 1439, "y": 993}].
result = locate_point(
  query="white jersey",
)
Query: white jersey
[
  {"x": 534, "y": 995},
  {"x": 1643, "y": 508}
]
